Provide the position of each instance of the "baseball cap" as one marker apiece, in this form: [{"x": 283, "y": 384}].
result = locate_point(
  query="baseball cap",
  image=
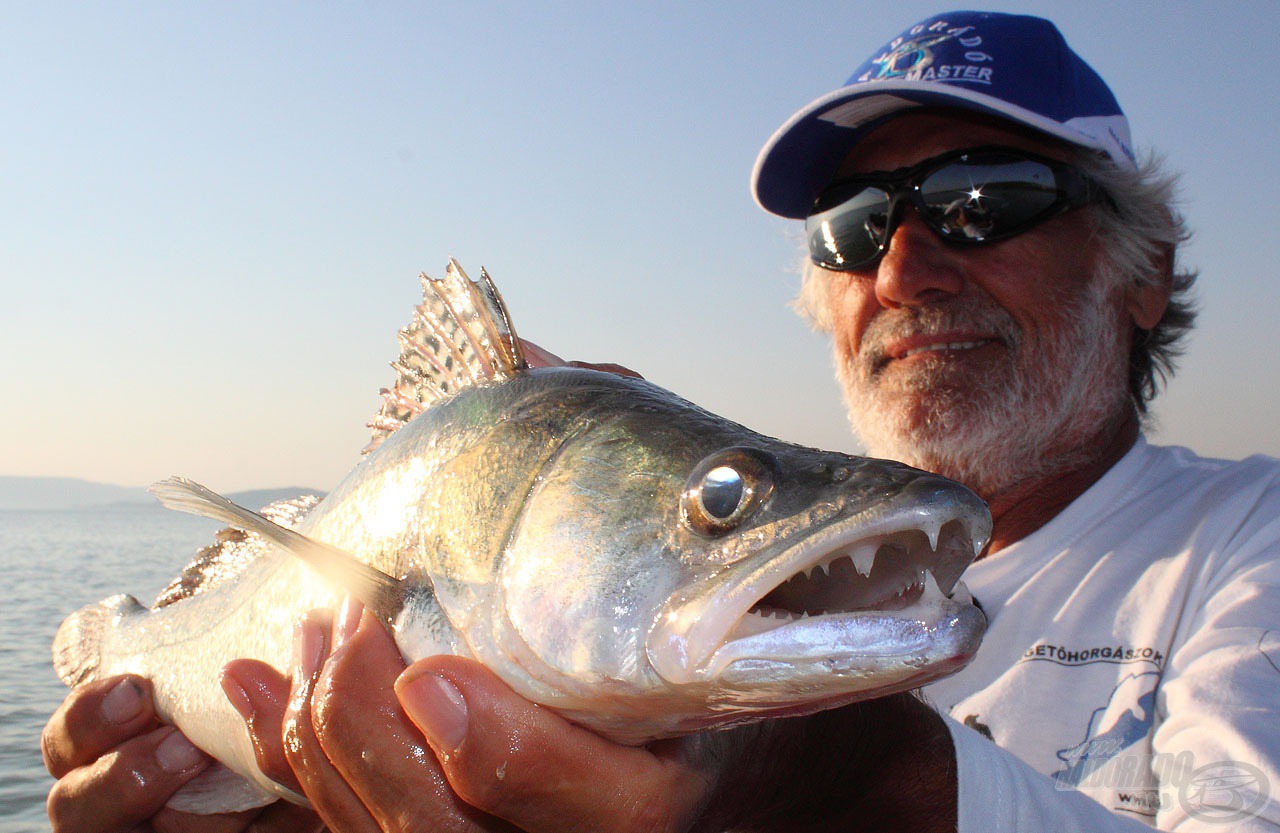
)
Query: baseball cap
[{"x": 1015, "y": 67}]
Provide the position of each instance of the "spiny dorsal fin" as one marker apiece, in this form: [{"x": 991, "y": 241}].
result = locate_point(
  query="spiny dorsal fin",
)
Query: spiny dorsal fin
[{"x": 460, "y": 336}]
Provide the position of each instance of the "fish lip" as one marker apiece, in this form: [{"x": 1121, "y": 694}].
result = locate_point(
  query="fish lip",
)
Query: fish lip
[{"x": 688, "y": 642}]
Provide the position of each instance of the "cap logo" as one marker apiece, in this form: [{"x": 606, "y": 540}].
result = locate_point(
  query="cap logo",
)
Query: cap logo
[{"x": 912, "y": 56}]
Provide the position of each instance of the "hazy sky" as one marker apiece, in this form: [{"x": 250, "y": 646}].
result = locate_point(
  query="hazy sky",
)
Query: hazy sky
[{"x": 214, "y": 214}]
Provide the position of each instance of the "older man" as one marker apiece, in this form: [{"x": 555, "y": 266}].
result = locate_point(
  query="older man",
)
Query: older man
[{"x": 997, "y": 273}]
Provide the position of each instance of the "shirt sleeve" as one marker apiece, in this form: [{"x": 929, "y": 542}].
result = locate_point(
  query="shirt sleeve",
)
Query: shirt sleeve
[
  {"x": 1000, "y": 794},
  {"x": 1218, "y": 704}
]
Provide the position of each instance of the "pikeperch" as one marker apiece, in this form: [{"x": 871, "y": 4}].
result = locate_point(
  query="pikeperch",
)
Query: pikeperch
[{"x": 643, "y": 567}]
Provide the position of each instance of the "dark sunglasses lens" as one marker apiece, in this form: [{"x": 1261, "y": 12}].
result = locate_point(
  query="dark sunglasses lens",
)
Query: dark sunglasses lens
[
  {"x": 988, "y": 200},
  {"x": 850, "y": 233}
]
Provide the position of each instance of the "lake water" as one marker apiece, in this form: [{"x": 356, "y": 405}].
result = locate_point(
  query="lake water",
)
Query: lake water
[{"x": 53, "y": 563}]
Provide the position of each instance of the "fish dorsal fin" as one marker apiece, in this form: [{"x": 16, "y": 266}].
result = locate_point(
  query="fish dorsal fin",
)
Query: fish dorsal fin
[
  {"x": 460, "y": 336},
  {"x": 381, "y": 593}
]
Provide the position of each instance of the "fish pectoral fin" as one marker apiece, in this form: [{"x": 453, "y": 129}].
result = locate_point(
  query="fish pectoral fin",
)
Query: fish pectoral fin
[{"x": 380, "y": 593}]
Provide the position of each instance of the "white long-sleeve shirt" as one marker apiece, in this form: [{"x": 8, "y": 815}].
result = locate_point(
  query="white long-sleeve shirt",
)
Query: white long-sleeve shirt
[{"x": 1130, "y": 674}]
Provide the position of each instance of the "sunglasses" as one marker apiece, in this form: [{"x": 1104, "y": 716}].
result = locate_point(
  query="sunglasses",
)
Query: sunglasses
[{"x": 967, "y": 197}]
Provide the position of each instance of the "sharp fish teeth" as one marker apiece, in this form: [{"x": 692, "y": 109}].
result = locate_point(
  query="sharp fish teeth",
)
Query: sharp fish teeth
[
  {"x": 933, "y": 529},
  {"x": 864, "y": 557},
  {"x": 931, "y": 588}
]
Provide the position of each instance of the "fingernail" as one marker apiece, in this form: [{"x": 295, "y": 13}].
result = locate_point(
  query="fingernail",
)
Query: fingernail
[
  {"x": 348, "y": 621},
  {"x": 308, "y": 647},
  {"x": 438, "y": 708},
  {"x": 176, "y": 754},
  {"x": 123, "y": 702},
  {"x": 238, "y": 697}
]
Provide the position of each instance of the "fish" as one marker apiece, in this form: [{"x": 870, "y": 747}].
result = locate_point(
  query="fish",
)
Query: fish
[{"x": 612, "y": 551}]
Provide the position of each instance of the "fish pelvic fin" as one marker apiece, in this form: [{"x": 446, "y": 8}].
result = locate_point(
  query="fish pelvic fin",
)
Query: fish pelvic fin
[
  {"x": 380, "y": 593},
  {"x": 460, "y": 336},
  {"x": 77, "y": 646}
]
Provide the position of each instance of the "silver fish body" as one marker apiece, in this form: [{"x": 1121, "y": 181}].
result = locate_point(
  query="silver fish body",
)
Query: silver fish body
[{"x": 642, "y": 566}]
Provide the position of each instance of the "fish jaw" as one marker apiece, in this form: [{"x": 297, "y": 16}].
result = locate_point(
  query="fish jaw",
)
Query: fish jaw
[{"x": 858, "y": 608}]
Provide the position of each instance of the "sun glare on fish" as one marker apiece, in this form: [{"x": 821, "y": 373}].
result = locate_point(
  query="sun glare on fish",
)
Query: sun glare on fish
[{"x": 396, "y": 499}]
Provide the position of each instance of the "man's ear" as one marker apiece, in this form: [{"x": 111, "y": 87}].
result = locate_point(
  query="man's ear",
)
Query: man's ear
[{"x": 1146, "y": 303}]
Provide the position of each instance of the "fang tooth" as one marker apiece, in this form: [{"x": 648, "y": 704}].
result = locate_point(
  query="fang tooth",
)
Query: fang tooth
[
  {"x": 933, "y": 530},
  {"x": 864, "y": 557}
]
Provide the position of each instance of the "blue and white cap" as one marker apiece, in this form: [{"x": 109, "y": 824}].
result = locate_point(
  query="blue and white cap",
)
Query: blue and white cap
[{"x": 1014, "y": 67}]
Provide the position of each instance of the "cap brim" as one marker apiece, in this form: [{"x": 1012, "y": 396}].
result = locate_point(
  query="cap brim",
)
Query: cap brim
[{"x": 803, "y": 155}]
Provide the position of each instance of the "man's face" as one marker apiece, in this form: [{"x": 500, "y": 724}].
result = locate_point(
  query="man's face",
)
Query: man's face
[{"x": 984, "y": 363}]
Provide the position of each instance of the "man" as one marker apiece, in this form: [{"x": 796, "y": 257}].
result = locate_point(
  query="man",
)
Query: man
[{"x": 997, "y": 273}]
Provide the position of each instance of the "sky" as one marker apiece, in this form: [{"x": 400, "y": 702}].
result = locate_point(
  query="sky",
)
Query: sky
[{"x": 213, "y": 215}]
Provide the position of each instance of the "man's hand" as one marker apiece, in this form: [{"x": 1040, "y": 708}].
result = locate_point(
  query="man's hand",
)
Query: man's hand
[
  {"x": 116, "y": 766},
  {"x": 446, "y": 746}
]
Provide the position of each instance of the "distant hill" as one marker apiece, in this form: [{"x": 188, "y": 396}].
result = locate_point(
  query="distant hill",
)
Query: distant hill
[{"x": 73, "y": 493}]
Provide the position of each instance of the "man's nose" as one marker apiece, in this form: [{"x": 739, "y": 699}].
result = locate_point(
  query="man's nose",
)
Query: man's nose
[{"x": 917, "y": 268}]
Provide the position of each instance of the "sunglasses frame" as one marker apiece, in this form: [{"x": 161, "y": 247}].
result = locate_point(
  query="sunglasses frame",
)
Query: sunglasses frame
[{"x": 1073, "y": 190}]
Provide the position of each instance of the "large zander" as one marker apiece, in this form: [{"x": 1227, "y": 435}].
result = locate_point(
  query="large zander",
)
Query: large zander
[{"x": 610, "y": 550}]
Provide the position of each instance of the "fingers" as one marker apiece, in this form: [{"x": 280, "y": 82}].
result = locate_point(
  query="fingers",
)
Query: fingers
[
  {"x": 260, "y": 694},
  {"x": 525, "y": 764},
  {"x": 114, "y": 767},
  {"x": 364, "y": 732},
  {"x": 95, "y": 718},
  {"x": 335, "y": 801},
  {"x": 125, "y": 786}
]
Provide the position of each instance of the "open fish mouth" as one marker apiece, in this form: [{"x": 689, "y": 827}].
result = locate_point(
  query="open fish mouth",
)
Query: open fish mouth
[
  {"x": 850, "y": 600},
  {"x": 886, "y": 572}
]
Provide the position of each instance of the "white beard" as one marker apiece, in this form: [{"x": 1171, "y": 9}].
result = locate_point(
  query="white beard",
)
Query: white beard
[{"x": 1036, "y": 414}]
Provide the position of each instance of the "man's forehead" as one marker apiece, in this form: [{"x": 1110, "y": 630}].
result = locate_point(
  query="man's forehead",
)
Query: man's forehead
[{"x": 911, "y": 137}]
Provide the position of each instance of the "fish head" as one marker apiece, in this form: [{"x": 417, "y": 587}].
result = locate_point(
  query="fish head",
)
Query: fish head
[
  {"x": 844, "y": 584},
  {"x": 686, "y": 566}
]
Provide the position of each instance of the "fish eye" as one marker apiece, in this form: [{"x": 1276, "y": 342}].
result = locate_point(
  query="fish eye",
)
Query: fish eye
[
  {"x": 726, "y": 489},
  {"x": 722, "y": 491}
]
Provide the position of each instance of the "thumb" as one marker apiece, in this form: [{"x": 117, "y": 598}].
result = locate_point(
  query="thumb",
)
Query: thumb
[{"x": 526, "y": 764}]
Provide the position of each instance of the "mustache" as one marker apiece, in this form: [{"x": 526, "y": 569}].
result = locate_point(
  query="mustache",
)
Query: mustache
[{"x": 890, "y": 325}]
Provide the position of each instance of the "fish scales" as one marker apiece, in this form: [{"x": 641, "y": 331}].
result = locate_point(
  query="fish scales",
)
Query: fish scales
[{"x": 610, "y": 550}]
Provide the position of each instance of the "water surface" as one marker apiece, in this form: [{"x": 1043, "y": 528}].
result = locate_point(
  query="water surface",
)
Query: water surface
[{"x": 55, "y": 562}]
